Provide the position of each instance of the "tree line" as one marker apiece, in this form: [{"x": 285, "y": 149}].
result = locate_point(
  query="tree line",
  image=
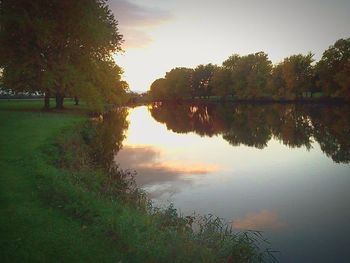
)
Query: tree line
[
  {"x": 61, "y": 48},
  {"x": 254, "y": 77},
  {"x": 295, "y": 125}
]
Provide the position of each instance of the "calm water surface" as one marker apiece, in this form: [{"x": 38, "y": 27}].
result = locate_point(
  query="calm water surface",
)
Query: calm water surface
[{"x": 283, "y": 169}]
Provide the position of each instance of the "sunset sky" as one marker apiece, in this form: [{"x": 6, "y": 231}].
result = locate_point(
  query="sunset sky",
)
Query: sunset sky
[{"x": 160, "y": 35}]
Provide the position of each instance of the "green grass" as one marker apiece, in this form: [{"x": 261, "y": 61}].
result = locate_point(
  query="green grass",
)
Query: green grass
[
  {"x": 38, "y": 104},
  {"x": 56, "y": 206},
  {"x": 30, "y": 230}
]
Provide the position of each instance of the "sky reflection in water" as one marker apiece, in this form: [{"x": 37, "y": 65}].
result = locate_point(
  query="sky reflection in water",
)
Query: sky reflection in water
[{"x": 276, "y": 175}]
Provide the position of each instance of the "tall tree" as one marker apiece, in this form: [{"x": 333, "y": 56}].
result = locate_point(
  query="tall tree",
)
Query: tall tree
[
  {"x": 222, "y": 82},
  {"x": 298, "y": 74},
  {"x": 59, "y": 47},
  {"x": 333, "y": 70},
  {"x": 293, "y": 77},
  {"x": 201, "y": 77},
  {"x": 178, "y": 83},
  {"x": 158, "y": 89},
  {"x": 249, "y": 74},
  {"x": 277, "y": 83}
]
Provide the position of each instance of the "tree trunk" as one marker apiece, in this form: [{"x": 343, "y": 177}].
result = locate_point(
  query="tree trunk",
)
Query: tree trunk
[
  {"x": 76, "y": 99},
  {"x": 59, "y": 100},
  {"x": 47, "y": 101}
]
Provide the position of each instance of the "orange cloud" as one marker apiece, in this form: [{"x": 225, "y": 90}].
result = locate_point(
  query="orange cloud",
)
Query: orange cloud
[{"x": 263, "y": 220}]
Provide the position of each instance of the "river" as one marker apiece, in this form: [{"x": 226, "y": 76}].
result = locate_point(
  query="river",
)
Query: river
[{"x": 280, "y": 169}]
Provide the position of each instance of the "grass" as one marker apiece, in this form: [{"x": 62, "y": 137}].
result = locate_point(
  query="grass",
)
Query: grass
[
  {"x": 30, "y": 230},
  {"x": 38, "y": 104},
  {"x": 58, "y": 206}
]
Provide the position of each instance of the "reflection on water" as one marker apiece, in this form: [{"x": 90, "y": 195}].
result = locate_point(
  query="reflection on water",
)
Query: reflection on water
[
  {"x": 283, "y": 169},
  {"x": 262, "y": 220},
  {"x": 109, "y": 133},
  {"x": 251, "y": 125},
  {"x": 147, "y": 161}
]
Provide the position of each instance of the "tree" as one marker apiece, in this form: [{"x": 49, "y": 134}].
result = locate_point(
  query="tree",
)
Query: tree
[
  {"x": 293, "y": 77},
  {"x": 201, "y": 77},
  {"x": 158, "y": 89},
  {"x": 222, "y": 82},
  {"x": 59, "y": 47},
  {"x": 298, "y": 74},
  {"x": 333, "y": 70},
  {"x": 232, "y": 62},
  {"x": 342, "y": 78},
  {"x": 178, "y": 83},
  {"x": 249, "y": 74},
  {"x": 277, "y": 83},
  {"x": 259, "y": 70}
]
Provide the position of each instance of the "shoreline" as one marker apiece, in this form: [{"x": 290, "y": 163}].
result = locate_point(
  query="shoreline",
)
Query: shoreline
[{"x": 100, "y": 203}]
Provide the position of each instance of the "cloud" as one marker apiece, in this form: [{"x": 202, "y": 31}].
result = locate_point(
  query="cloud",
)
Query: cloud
[
  {"x": 135, "y": 20},
  {"x": 263, "y": 220},
  {"x": 136, "y": 39}
]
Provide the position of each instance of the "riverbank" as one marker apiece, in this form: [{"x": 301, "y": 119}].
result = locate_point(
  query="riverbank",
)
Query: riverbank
[
  {"x": 218, "y": 99},
  {"x": 58, "y": 205}
]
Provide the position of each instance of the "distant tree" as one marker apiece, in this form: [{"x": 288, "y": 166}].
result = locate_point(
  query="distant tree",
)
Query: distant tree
[
  {"x": 201, "y": 77},
  {"x": 222, "y": 83},
  {"x": 178, "y": 83},
  {"x": 231, "y": 65},
  {"x": 298, "y": 74},
  {"x": 158, "y": 89},
  {"x": 333, "y": 70},
  {"x": 249, "y": 74},
  {"x": 277, "y": 83},
  {"x": 253, "y": 77},
  {"x": 232, "y": 62},
  {"x": 292, "y": 78},
  {"x": 342, "y": 78},
  {"x": 59, "y": 47},
  {"x": 259, "y": 70}
]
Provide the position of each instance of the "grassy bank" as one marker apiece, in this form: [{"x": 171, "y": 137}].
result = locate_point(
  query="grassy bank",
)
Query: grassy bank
[
  {"x": 31, "y": 230},
  {"x": 59, "y": 205}
]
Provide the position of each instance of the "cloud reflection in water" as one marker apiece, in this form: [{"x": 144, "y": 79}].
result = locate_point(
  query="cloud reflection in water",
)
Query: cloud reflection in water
[
  {"x": 158, "y": 176},
  {"x": 263, "y": 220}
]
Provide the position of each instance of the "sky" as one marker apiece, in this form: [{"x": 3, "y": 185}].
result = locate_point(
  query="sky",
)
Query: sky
[{"x": 160, "y": 35}]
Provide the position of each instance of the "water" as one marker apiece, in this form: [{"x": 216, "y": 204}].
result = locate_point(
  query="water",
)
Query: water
[{"x": 282, "y": 169}]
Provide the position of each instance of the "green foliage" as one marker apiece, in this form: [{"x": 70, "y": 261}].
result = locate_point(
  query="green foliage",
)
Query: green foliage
[
  {"x": 178, "y": 83},
  {"x": 158, "y": 89},
  {"x": 249, "y": 75},
  {"x": 332, "y": 70},
  {"x": 242, "y": 77},
  {"x": 293, "y": 77},
  {"x": 201, "y": 80},
  {"x": 253, "y": 77},
  {"x": 222, "y": 82},
  {"x": 61, "y": 47}
]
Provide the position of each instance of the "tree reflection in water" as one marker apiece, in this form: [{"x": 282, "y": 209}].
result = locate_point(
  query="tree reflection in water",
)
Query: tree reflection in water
[
  {"x": 108, "y": 134},
  {"x": 295, "y": 125}
]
